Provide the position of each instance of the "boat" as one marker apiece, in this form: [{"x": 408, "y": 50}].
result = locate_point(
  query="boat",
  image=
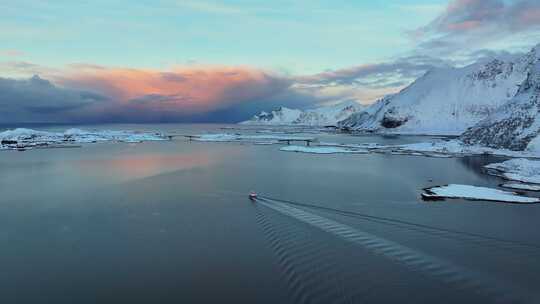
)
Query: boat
[{"x": 253, "y": 196}]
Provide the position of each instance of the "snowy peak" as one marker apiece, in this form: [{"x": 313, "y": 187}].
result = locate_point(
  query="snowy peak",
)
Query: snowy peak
[
  {"x": 448, "y": 100},
  {"x": 326, "y": 115},
  {"x": 280, "y": 116}
]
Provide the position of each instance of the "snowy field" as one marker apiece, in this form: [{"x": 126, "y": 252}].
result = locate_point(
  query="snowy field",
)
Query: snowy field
[{"x": 27, "y": 138}]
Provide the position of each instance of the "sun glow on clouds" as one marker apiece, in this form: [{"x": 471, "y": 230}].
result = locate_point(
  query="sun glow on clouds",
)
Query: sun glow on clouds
[{"x": 186, "y": 89}]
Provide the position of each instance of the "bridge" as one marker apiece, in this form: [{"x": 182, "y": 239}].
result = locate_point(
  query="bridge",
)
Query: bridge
[
  {"x": 280, "y": 139},
  {"x": 308, "y": 141}
]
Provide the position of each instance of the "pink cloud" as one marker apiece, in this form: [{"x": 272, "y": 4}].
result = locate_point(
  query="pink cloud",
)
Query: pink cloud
[
  {"x": 476, "y": 23},
  {"x": 191, "y": 90},
  {"x": 468, "y": 15}
]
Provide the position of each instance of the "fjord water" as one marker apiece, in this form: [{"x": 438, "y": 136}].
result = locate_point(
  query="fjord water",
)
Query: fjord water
[{"x": 170, "y": 222}]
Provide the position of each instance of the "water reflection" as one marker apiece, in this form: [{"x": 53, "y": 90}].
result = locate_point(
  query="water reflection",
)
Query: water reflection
[
  {"x": 139, "y": 166},
  {"x": 477, "y": 163}
]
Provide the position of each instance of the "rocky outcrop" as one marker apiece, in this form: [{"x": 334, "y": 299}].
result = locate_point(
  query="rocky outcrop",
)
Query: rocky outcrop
[{"x": 516, "y": 125}]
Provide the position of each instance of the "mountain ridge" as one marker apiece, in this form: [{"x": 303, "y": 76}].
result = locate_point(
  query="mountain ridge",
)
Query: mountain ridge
[
  {"x": 321, "y": 116},
  {"x": 446, "y": 101}
]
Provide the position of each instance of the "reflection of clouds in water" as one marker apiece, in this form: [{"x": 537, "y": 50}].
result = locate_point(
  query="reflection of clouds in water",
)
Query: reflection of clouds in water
[{"x": 139, "y": 166}]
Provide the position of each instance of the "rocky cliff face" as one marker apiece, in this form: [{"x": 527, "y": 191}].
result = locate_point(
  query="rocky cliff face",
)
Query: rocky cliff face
[{"x": 516, "y": 125}]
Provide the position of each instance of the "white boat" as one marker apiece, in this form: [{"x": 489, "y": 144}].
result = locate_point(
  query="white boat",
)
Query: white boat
[{"x": 253, "y": 196}]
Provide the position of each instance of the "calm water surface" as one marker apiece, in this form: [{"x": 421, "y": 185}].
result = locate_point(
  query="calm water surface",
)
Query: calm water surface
[{"x": 170, "y": 222}]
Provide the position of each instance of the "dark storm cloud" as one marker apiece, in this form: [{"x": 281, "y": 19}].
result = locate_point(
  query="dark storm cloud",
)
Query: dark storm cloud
[
  {"x": 37, "y": 99},
  {"x": 210, "y": 94},
  {"x": 159, "y": 99}
]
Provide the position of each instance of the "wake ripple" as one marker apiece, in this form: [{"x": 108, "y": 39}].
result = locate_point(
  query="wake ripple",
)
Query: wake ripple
[{"x": 299, "y": 274}]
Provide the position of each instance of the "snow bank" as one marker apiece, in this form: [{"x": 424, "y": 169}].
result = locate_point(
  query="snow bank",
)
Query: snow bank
[
  {"x": 455, "y": 148},
  {"x": 519, "y": 169},
  {"x": 441, "y": 148},
  {"x": 22, "y": 138},
  {"x": 476, "y": 193},
  {"x": 517, "y": 186},
  {"x": 322, "y": 150},
  {"x": 431, "y": 149}
]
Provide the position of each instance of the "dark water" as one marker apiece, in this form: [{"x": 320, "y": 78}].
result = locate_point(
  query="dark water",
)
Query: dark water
[{"x": 170, "y": 222}]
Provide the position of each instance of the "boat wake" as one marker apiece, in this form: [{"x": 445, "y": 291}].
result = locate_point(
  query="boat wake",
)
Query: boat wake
[{"x": 305, "y": 259}]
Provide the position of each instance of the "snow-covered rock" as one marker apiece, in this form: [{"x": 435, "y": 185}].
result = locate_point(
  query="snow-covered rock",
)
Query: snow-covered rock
[
  {"x": 281, "y": 116},
  {"x": 476, "y": 193},
  {"x": 516, "y": 125},
  {"x": 519, "y": 186},
  {"x": 518, "y": 169},
  {"x": 447, "y": 100},
  {"x": 22, "y": 138},
  {"x": 322, "y": 116}
]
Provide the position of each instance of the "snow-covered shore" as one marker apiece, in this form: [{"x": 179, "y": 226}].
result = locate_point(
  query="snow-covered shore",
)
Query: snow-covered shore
[
  {"x": 435, "y": 148},
  {"x": 22, "y": 138},
  {"x": 519, "y": 186},
  {"x": 476, "y": 193},
  {"x": 519, "y": 169}
]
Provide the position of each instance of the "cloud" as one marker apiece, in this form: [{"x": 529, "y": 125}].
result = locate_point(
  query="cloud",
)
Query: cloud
[
  {"x": 368, "y": 82},
  {"x": 38, "y": 100},
  {"x": 11, "y": 53},
  {"x": 183, "y": 91},
  {"x": 85, "y": 92},
  {"x": 478, "y": 23},
  {"x": 24, "y": 68},
  {"x": 401, "y": 68},
  {"x": 92, "y": 93}
]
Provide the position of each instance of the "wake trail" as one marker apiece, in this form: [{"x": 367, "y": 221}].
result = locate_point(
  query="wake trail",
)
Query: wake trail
[
  {"x": 463, "y": 236},
  {"x": 445, "y": 271}
]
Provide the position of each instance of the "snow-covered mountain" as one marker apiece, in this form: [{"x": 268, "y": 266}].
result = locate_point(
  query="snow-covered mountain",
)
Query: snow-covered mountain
[
  {"x": 322, "y": 116},
  {"x": 516, "y": 125},
  {"x": 447, "y": 100}
]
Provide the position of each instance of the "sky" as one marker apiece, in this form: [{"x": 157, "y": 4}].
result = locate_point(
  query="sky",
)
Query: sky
[{"x": 223, "y": 61}]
